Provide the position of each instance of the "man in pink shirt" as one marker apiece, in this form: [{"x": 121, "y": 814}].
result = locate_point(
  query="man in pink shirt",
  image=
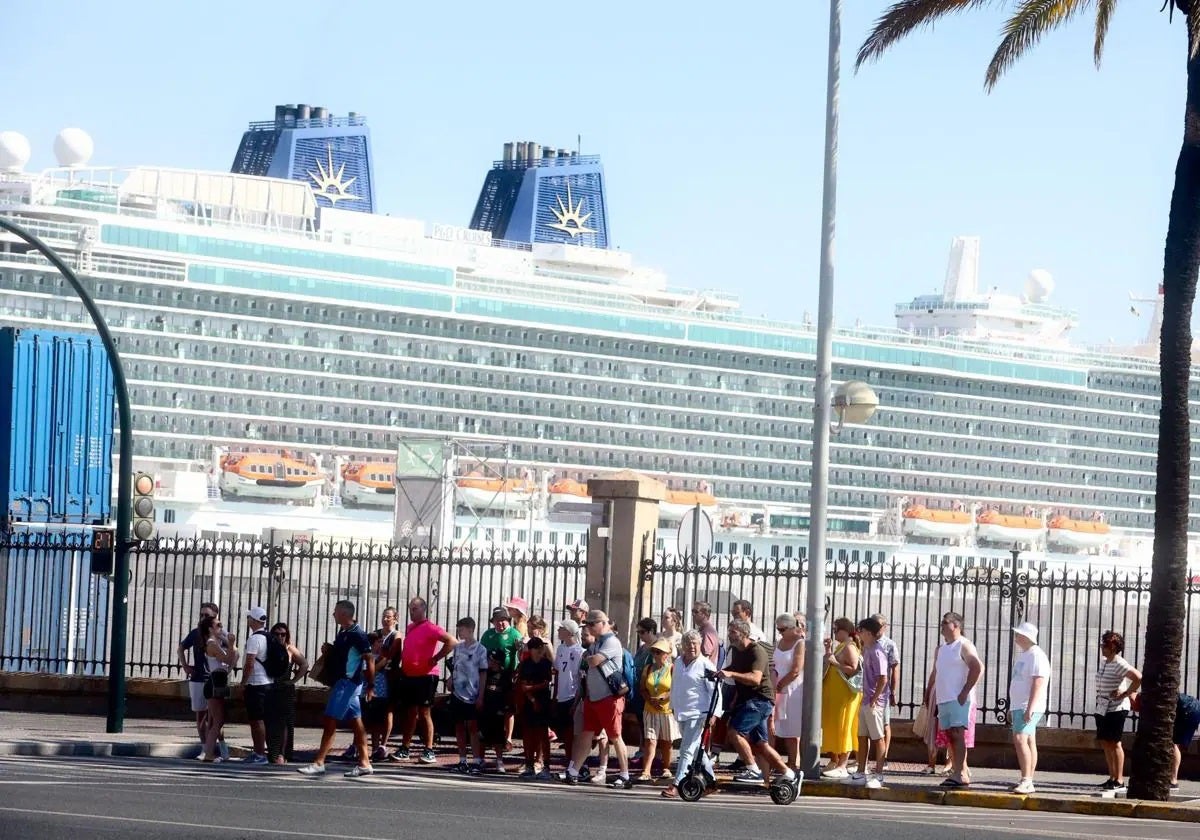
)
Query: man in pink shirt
[{"x": 425, "y": 645}]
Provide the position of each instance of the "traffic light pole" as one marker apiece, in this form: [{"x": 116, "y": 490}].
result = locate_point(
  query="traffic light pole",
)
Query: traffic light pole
[{"x": 120, "y": 592}]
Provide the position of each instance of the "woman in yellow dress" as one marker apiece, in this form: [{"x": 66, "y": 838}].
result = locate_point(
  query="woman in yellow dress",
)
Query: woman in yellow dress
[{"x": 841, "y": 693}]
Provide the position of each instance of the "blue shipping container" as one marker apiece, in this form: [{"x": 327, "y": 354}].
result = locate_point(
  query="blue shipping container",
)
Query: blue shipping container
[{"x": 56, "y": 428}]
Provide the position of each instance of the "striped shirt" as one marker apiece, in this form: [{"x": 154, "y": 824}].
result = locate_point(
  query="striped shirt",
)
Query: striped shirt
[{"x": 1112, "y": 677}]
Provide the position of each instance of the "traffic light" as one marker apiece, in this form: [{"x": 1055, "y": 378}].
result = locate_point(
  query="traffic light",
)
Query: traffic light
[
  {"x": 142, "y": 527},
  {"x": 102, "y": 552}
]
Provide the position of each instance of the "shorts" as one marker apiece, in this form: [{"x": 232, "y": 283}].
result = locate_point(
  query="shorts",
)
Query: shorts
[
  {"x": 491, "y": 719},
  {"x": 196, "y": 692},
  {"x": 954, "y": 715},
  {"x": 343, "y": 702},
  {"x": 564, "y": 716},
  {"x": 603, "y": 715},
  {"x": 750, "y": 719},
  {"x": 1110, "y": 727},
  {"x": 376, "y": 711},
  {"x": 887, "y": 713},
  {"x": 462, "y": 711},
  {"x": 418, "y": 692},
  {"x": 1027, "y": 725},
  {"x": 871, "y": 721},
  {"x": 255, "y": 698}
]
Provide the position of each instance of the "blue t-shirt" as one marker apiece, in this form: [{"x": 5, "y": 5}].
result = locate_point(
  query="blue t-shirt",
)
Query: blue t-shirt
[
  {"x": 199, "y": 663},
  {"x": 351, "y": 646}
]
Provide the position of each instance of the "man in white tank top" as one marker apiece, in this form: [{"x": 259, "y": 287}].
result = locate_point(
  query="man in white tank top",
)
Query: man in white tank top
[{"x": 955, "y": 673}]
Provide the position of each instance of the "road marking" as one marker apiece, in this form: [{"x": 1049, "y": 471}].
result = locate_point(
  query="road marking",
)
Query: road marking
[{"x": 206, "y": 827}]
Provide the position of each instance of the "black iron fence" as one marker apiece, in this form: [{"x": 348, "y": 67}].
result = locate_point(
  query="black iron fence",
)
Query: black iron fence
[
  {"x": 55, "y": 611},
  {"x": 1070, "y": 606}
]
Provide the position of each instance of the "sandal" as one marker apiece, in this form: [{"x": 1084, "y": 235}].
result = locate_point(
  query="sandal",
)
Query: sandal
[
  {"x": 669, "y": 793},
  {"x": 954, "y": 784}
]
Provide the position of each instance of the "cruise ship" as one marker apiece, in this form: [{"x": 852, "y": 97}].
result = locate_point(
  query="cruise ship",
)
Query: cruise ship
[{"x": 285, "y": 343}]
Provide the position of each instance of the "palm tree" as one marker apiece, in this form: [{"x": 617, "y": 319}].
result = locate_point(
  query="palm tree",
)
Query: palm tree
[{"x": 1028, "y": 21}]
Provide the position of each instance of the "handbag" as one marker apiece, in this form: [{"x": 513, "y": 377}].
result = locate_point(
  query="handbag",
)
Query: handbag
[
  {"x": 217, "y": 685},
  {"x": 322, "y": 670},
  {"x": 920, "y": 725}
]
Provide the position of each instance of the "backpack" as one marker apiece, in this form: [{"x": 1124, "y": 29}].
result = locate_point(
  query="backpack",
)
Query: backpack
[
  {"x": 622, "y": 683},
  {"x": 277, "y": 662}
]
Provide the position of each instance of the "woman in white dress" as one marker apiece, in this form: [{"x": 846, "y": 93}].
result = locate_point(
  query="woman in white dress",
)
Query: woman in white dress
[{"x": 788, "y": 665}]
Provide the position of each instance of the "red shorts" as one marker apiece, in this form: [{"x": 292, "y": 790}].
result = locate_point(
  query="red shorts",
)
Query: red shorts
[{"x": 603, "y": 716}]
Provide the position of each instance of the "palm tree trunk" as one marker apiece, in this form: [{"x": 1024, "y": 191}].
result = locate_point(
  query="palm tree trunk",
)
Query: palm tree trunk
[{"x": 1150, "y": 772}]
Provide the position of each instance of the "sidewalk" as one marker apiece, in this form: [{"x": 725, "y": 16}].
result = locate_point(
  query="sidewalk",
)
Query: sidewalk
[{"x": 79, "y": 735}]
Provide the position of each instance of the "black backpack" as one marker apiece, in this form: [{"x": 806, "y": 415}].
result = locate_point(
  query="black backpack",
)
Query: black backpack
[{"x": 277, "y": 662}]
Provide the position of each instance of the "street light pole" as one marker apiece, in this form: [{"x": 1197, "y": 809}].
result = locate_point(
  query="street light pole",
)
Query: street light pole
[
  {"x": 814, "y": 654},
  {"x": 120, "y": 596}
]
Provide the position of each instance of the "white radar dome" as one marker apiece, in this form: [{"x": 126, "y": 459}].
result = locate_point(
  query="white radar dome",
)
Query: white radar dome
[
  {"x": 14, "y": 151},
  {"x": 73, "y": 147},
  {"x": 1039, "y": 285}
]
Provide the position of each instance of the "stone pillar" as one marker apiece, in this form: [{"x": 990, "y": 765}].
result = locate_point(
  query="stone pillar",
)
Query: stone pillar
[{"x": 634, "y": 502}]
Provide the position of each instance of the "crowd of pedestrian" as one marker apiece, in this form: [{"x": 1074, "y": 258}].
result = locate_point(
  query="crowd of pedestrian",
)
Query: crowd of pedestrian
[{"x": 579, "y": 688}]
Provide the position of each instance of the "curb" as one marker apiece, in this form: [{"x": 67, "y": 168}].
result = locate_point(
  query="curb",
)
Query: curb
[
  {"x": 1007, "y": 801},
  {"x": 105, "y": 749}
]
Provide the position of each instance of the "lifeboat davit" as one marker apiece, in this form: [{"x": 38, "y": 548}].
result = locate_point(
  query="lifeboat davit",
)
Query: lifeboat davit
[
  {"x": 1077, "y": 533},
  {"x": 679, "y": 502},
  {"x": 920, "y": 521},
  {"x": 1001, "y": 527},
  {"x": 481, "y": 493},
  {"x": 369, "y": 484},
  {"x": 258, "y": 475},
  {"x": 568, "y": 490}
]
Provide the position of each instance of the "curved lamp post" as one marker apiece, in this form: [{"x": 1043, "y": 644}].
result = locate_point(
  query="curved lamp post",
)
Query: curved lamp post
[{"x": 120, "y": 598}]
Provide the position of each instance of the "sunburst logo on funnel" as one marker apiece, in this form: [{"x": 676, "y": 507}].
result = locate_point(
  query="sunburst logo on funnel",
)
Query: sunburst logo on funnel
[
  {"x": 329, "y": 183},
  {"x": 571, "y": 218}
]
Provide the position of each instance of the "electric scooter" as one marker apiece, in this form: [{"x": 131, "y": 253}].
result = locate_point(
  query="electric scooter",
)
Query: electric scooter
[{"x": 698, "y": 780}]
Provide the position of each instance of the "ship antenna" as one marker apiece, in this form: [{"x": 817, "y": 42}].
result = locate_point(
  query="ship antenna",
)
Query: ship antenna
[{"x": 579, "y": 144}]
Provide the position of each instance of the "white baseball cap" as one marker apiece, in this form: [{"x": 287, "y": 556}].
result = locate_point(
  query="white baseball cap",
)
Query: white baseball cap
[{"x": 256, "y": 613}]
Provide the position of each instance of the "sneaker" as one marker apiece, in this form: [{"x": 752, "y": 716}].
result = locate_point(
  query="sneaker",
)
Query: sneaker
[
  {"x": 570, "y": 778},
  {"x": 351, "y": 753},
  {"x": 836, "y": 773},
  {"x": 527, "y": 774},
  {"x": 748, "y": 776},
  {"x": 475, "y": 769},
  {"x": 858, "y": 778},
  {"x": 1024, "y": 786},
  {"x": 500, "y": 767},
  {"x": 597, "y": 778},
  {"x": 359, "y": 770},
  {"x": 543, "y": 776},
  {"x": 401, "y": 754},
  {"x": 1119, "y": 787},
  {"x": 1109, "y": 784},
  {"x": 585, "y": 774},
  {"x": 223, "y": 748},
  {"x": 737, "y": 766},
  {"x": 311, "y": 770},
  {"x": 380, "y": 754},
  {"x": 1175, "y": 787},
  {"x": 427, "y": 757},
  {"x": 255, "y": 758},
  {"x": 621, "y": 783},
  {"x": 874, "y": 783},
  {"x": 929, "y": 771},
  {"x": 460, "y": 767}
]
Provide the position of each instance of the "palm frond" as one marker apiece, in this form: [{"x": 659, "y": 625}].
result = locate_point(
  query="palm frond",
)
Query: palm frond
[
  {"x": 905, "y": 16},
  {"x": 1104, "y": 13},
  {"x": 1193, "y": 25},
  {"x": 1031, "y": 20}
]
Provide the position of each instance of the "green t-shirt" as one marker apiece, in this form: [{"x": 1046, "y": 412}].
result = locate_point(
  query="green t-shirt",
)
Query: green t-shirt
[{"x": 502, "y": 647}]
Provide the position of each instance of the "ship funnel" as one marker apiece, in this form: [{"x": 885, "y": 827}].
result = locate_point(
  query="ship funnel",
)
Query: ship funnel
[
  {"x": 532, "y": 152},
  {"x": 319, "y": 113},
  {"x": 303, "y": 112},
  {"x": 962, "y": 273},
  {"x": 508, "y": 153}
]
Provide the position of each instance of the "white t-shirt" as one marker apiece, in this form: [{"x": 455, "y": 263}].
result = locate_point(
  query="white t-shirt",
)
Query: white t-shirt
[
  {"x": 256, "y": 646},
  {"x": 566, "y": 663},
  {"x": 1026, "y": 665}
]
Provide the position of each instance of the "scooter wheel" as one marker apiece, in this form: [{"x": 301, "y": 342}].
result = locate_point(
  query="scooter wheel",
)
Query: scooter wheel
[
  {"x": 784, "y": 792},
  {"x": 691, "y": 789}
]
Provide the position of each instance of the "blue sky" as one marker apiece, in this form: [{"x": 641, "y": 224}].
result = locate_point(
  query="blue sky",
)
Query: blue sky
[{"x": 709, "y": 117}]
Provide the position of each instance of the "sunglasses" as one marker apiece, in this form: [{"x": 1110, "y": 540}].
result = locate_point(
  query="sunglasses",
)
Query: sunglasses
[
  {"x": 282, "y": 633},
  {"x": 783, "y": 629}
]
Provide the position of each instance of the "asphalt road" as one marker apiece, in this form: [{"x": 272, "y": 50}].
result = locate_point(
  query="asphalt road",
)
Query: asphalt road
[{"x": 51, "y": 798}]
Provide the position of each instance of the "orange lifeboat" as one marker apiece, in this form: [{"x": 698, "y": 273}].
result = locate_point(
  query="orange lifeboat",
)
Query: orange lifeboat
[
  {"x": 1002, "y": 527},
  {"x": 483, "y": 493},
  {"x": 921, "y": 521},
  {"x": 259, "y": 475},
  {"x": 566, "y": 490},
  {"x": 369, "y": 484},
  {"x": 679, "y": 502},
  {"x": 1077, "y": 533}
]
